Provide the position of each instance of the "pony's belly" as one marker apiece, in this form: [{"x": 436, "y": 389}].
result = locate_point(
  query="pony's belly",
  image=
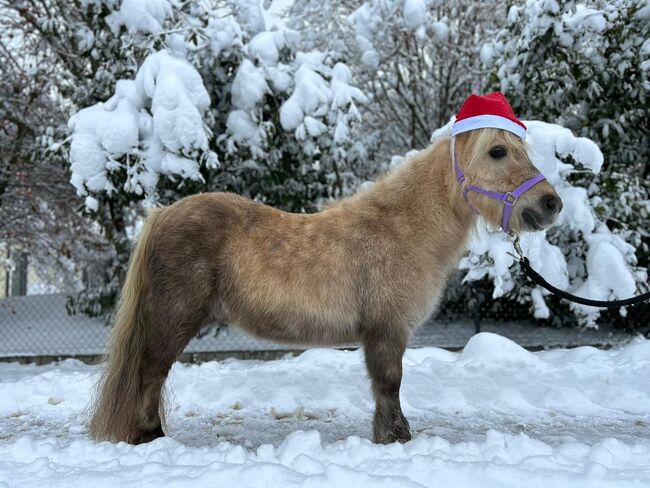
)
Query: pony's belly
[
  {"x": 292, "y": 300},
  {"x": 295, "y": 327},
  {"x": 293, "y": 312}
]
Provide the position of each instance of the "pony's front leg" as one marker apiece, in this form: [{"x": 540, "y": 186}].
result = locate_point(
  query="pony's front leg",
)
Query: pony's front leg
[{"x": 384, "y": 348}]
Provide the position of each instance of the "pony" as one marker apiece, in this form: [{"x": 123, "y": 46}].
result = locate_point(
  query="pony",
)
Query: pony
[{"x": 369, "y": 268}]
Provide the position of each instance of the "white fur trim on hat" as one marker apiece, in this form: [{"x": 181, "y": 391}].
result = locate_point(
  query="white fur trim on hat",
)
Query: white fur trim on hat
[{"x": 487, "y": 121}]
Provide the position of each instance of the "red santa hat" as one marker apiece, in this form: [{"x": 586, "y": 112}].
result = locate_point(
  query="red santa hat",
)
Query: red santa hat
[{"x": 491, "y": 110}]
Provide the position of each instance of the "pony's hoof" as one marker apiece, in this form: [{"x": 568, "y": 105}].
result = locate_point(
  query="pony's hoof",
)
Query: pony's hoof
[
  {"x": 400, "y": 432},
  {"x": 391, "y": 437},
  {"x": 148, "y": 435}
]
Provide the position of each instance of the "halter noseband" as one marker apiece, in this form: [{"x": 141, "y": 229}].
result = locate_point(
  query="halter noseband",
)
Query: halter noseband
[{"x": 509, "y": 199}]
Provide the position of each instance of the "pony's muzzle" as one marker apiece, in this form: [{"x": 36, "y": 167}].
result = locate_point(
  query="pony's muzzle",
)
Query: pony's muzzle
[
  {"x": 551, "y": 204},
  {"x": 544, "y": 213}
]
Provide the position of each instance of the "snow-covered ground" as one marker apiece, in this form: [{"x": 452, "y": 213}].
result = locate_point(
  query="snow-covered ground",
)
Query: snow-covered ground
[{"x": 494, "y": 415}]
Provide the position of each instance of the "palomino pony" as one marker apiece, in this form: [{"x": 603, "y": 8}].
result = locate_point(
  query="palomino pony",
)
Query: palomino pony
[{"x": 369, "y": 268}]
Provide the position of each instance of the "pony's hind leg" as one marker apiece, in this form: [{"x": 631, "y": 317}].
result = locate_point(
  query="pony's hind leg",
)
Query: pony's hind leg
[
  {"x": 149, "y": 422},
  {"x": 164, "y": 344},
  {"x": 384, "y": 349}
]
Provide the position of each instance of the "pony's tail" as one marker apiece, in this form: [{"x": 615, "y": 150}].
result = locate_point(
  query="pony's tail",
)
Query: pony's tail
[{"x": 115, "y": 411}]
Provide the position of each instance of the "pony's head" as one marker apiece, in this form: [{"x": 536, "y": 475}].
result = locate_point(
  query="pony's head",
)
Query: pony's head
[{"x": 497, "y": 160}]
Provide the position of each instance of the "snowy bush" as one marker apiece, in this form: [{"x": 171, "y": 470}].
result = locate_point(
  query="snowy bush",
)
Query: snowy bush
[
  {"x": 586, "y": 66},
  {"x": 579, "y": 254},
  {"x": 153, "y": 125},
  {"x": 173, "y": 98},
  {"x": 417, "y": 59},
  {"x": 282, "y": 119},
  {"x": 224, "y": 99}
]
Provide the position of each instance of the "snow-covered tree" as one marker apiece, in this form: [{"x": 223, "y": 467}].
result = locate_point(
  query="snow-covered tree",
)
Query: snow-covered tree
[
  {"x": 224, "y": 100},
  {"x": 417, "y": 59},
  {"x": 38, "y": 207},
  {"x": 584, "y": 66},
  {"x": 172, "y": 98},
  {"x": 79, "y": 51},
  {"x": 580, "y": 253}
]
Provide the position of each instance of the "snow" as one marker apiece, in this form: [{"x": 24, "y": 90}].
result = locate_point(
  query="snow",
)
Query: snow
[
  {"x": 266, "y": 45},
  {"x": 320, "y": 91},
  {"x": 371, "y": 58},
  {"x": 577, "y": 213},
  {"x": 141, "y": 15},
  {"x": 311, "y": 92},
  {"x": 486, "y": 53},
  {"x": 366, "y": 21},
  {"x": 550, "y": 140},
  {"x": 584, "y": 16},
  {"x": 500, "y": 259},
  {"x": 249, "y": 86},
  {"x": 224, "y": 34},
  {"x": 414, "y": 13},
  {"x": 497, "y": 267},
  {"x": 314, "y": 127},
  {"x": 441, "y": 29},
  {"x": 609, "y": 277},
  {"x": 250, "y": 15},
  {"x": 241, "y": 125},
  {"x": 494, "y": 415},
  {"x": 178, "y": 99},
  {"x": 91, "y": 204},
  {"x": 643, "y": 13},
  {"x": 157, "y": 117}
]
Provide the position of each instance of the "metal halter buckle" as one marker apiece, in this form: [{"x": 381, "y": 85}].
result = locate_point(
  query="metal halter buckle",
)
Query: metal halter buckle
[{"x": 511, "y": 199}]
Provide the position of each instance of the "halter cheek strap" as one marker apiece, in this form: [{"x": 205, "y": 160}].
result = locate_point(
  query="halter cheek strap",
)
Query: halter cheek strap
[{"x": 509, "y": 198}]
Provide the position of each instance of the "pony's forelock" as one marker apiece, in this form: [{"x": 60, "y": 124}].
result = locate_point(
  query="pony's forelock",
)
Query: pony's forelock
[{"x": 481, "y": 140}]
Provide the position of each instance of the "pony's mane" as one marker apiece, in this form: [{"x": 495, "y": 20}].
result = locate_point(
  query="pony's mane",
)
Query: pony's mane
[{"x": 410, "y": 174}]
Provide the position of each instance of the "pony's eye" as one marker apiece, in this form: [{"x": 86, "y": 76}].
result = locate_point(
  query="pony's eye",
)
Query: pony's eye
[{"x": 498, "y": 152}]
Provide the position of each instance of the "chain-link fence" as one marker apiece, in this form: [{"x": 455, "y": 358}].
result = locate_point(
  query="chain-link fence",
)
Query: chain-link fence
[{"x": 39, "y": 326}]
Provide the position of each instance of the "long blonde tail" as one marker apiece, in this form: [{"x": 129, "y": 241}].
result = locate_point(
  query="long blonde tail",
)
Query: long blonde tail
[{"x": 115, "y": 411}]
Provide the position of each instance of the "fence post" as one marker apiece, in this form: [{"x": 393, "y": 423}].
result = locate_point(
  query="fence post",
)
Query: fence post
[
  {"x": 17, "y": 282},
  {"x": 6, "y": 272},
  {"x": 477, "y": 313}
]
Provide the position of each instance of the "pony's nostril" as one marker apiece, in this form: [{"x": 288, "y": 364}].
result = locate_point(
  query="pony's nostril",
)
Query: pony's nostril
[{"x": 551, "y": 203}]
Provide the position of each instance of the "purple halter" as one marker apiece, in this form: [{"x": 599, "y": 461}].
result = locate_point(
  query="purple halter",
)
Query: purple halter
[{"x": 509, "y": 199}]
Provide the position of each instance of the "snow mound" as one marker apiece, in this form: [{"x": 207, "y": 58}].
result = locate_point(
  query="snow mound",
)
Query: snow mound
[{"x": 493, "y": 351}]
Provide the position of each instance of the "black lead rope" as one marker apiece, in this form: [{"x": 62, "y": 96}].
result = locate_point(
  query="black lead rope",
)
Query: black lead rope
[{"x": 536, "y": 278}]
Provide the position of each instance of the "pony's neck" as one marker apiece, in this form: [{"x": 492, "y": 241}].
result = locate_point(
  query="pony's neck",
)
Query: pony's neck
[{"x": 424, "y": 192}]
